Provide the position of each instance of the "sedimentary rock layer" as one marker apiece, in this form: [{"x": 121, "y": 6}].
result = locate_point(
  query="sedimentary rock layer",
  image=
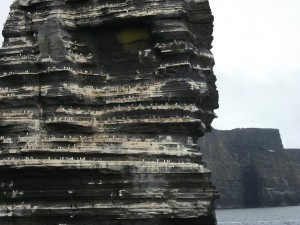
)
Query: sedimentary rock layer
[{"x": 101, "y": 104}]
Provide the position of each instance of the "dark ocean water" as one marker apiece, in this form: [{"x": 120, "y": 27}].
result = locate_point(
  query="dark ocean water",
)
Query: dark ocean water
[{"x": 260, "y": 216}]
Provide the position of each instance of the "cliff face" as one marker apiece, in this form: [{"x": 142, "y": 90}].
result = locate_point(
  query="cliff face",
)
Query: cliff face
[
  {"x": 101, "y": 104},
  {"x": 250, "y": 168}
]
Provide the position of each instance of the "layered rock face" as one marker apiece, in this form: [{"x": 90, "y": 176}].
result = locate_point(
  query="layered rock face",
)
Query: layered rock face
[
  {"x": 250, "y": 168},
  {"x": 101, "y": 104}
]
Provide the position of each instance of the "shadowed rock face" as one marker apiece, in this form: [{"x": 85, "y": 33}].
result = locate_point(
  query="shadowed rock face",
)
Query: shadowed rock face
[
  {"x": 250, "y": 168},
  {"x": 101, "y": 104}
]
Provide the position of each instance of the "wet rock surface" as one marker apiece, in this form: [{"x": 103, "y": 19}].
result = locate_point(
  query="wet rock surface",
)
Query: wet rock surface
[
  {"x": 101, "y": 104},
  {"x": 250, "y": 168}
]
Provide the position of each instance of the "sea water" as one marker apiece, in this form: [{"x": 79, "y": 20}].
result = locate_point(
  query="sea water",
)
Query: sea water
[{"x": 259, "y": 216}]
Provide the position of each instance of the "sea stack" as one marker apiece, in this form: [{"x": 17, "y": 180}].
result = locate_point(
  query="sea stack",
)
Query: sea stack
[{"x": 101, "y": 105}]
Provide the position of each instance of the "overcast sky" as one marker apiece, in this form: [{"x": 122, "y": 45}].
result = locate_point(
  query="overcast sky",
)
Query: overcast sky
[
  {"x": 256, "y": 49},
  {"x": 257, "y": 54}
]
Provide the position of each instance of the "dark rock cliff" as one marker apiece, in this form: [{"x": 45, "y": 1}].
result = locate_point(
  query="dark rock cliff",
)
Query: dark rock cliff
[
  {"x": 250, "y": 168},
  {"x": 101, "y": 105}
]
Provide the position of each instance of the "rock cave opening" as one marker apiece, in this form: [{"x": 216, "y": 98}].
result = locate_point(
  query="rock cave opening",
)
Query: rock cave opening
[{"x": 252, "y": 187}]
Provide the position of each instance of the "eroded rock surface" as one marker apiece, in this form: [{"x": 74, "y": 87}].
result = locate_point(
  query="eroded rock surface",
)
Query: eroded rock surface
[{"x": 101, "y": 104}]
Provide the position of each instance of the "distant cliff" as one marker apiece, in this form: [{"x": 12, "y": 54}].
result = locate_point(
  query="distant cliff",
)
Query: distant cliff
[{"x": 250, "y": 168}]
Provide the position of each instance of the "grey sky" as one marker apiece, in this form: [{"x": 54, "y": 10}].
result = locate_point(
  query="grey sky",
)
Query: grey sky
[{"x": 256, "y": 49}]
